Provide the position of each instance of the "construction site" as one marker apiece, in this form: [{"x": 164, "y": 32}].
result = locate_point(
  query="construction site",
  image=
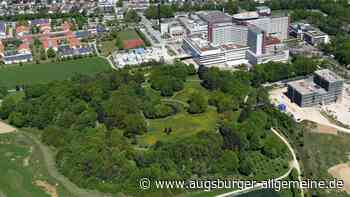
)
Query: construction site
[{"x": 324, "y": 99}]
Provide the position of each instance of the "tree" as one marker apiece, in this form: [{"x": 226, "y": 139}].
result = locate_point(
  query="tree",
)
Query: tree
[
  {"x": 228, "y": 163},
  {"x": 51, "y": 53},
  {"x": 7, "y": 106},
  {"x": 3, "y": 91},
  {"x": 54, "y": 136},
  {"x": 197, "y": 103},
  {"x": 231, "y": 7},
  {"x": 246, "y": 165},
  {"x": 191, "y": 69},
  {"x": 134, "y": 125},
  {"x": 17, "y": 119},
  {"x": 131, "y": 16},
  {"x": 119, "y": 3},
  {"x": 272, "y": 147},
  {"x": 43, "y": 54}
]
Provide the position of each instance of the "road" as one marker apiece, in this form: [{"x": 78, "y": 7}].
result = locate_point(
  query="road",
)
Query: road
[
  {"x": 155, "y": 36},
  {"x": 294, "y": 165}
]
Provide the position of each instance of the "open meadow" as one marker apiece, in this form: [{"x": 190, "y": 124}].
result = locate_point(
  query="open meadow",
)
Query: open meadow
[
  {"x": 12, "y": 75},
  {"x": 23, "y": 169}
]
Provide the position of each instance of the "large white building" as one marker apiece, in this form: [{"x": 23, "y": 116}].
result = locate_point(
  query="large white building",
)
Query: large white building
[
  {"x": 264, "y": 48},
  {"x": 273, "y": 25},
  {"x": 204, "y": 53},
  {"x": 308, "y": 33},
  {"x": 254, "y": 37}
]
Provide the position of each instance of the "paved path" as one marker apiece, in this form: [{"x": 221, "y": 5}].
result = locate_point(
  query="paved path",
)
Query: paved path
[{"x": 294, "y": 164}]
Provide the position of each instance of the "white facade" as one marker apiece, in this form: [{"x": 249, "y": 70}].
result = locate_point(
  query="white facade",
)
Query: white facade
[{"x": 205, "y": 54}]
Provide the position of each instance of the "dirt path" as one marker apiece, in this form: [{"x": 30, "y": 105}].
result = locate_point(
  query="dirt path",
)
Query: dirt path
[
  {"x": 5, "y": 128},
  {"x": 342, "y": 172},
  {"x": 49, "y": 189},
  {"x": 53, "y": 172},
  {"x": 294, "y": 164}
]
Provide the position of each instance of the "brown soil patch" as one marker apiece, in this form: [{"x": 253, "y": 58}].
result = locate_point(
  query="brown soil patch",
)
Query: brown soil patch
[
  {"x": 51, "y": 190},
  {"x": 5, "y": 128},
  {"x": 325, "y": 129},
  {"x": 341, "y": 172}
]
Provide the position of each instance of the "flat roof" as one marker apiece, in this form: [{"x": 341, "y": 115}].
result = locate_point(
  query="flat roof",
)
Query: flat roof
[
  {"x": 215, "y": 17},
  {"x": 246, "y": 15},
  {"x": 328, "y": 75},
  {"x": 307, "y": 86}
]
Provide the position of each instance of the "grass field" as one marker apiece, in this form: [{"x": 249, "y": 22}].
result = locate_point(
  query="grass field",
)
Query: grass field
[
  {"x": 42, "y": 73},
  {"x": 21, "y": 166},
  {"x": 182, "y": 124},
  {"x": 128, "y": 35},
  {"x": 322, "y": 151},
  {"x": 107, "y": 47}
]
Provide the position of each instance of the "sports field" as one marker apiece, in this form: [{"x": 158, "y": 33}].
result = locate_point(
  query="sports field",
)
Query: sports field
[
  {"x": 130, "y": 39},
  {"x": 128, "y": 35},
  {"x": 12, "y": 75}
]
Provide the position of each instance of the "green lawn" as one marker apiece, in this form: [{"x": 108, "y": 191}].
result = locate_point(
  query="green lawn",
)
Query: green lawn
[
  {"x": 21, "y": 165},
  {"x": 12, "y": 75},
  {"x": 182, "y": 124},
  {"x": 107, "y": 47}
]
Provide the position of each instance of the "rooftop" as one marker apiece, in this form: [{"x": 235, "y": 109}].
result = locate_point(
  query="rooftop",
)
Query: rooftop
[
  {"x": 307, "y": 86},
  {"x": 328, "y": 75},
  {"x": 215, "y": 17}
]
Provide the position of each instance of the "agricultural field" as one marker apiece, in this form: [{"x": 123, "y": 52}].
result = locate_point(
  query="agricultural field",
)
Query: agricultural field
[{"x": 13, "y": 75}]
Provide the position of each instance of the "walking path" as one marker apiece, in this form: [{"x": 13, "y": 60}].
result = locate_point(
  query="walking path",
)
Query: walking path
[
  {"x": 108, "y": 58},
  {"x": 5, "y": 128},
  {"x": 50, "y": 163},
  {"x": 294, "y": 164}
]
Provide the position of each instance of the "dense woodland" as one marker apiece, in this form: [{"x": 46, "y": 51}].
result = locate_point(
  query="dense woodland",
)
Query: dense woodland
[{"x": 94, "y": 121}]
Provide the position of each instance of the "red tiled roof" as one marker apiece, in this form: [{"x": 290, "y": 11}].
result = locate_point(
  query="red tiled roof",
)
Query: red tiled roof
[
  {"x": 271, "y": 41},
  {"x": 66, "y": 26},
  {"x": 21, "y": 29},
  {"x": 73, "y": 42},
  {"x": 50, "y": 43},
  {"x": 45, "y": 28},
  {"x": 27, "y": 38},
  {"x": 23, "y": 46}
]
